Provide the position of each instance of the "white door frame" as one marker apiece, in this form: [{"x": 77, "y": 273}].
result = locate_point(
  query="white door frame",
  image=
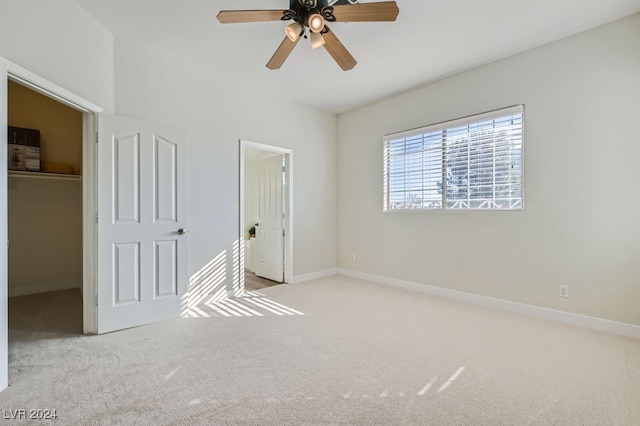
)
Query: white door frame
[
  {"x": 11, "y": 71},
  {"x": 288, "y": 207}
]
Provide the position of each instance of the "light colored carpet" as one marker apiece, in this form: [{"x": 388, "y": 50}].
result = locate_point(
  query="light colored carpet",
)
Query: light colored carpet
[{"x": 333, "y": 351}]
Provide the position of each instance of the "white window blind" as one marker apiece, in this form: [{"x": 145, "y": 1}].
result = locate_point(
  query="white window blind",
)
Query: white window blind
[{"x": 471, "y": 163}]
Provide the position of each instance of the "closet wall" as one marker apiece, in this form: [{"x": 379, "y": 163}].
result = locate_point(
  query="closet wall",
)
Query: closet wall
[{"x": 45, "y": 215}]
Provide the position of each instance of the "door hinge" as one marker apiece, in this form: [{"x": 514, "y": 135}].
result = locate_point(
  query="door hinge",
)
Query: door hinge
[
  {"x": 96, "y": 217},
  {"x": 97, "y": 138},
  {"x": 96, "y": 300}
]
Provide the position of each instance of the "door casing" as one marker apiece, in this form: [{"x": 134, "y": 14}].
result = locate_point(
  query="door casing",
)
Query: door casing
[{"x": 288, "y": 207}]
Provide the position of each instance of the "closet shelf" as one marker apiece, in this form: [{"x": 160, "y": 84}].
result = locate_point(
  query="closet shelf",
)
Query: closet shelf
[{"x": 41, "y": 175}]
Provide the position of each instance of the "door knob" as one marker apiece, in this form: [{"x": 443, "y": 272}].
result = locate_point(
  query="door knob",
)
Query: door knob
[{"x": 181, "y": 231}]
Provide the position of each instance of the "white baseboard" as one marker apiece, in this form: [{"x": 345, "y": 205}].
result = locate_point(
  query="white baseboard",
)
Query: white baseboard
[
  {"x": 314, "y": 275},
  {"x": 599, "y": 324},
  {"x": 24, "y": 290}
]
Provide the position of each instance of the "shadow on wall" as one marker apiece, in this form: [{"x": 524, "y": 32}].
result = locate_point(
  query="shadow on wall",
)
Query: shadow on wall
[{"x": 211, "y": 284}]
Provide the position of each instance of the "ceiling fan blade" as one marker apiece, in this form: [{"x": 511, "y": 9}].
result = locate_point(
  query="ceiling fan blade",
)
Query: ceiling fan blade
[
  {"x": 282, "y": 53},
  {"x": 337, "y": 51},
  {"x": 366, "y": 12},
  {"x": 238, "y": 16}
]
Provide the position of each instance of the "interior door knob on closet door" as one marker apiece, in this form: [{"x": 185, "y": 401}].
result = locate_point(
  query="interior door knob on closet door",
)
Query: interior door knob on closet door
[{"x": 181, "y": 231}]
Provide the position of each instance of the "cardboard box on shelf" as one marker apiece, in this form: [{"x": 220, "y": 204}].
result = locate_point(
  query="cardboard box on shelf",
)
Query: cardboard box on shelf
[{"x": 24, "y": 149}]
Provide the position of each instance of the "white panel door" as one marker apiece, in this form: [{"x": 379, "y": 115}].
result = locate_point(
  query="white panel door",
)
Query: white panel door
[
  {"x": 142, "y": 239},
  {"x": 269, "y": 253}
]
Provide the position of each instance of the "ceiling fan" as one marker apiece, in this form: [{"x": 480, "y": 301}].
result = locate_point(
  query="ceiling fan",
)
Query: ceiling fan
[{"x": 314, "y": 14}]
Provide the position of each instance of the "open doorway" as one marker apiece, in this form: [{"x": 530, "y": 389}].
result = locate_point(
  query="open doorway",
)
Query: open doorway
[
  {"x": 265, "y": 215},
  {"x": 44, "y": 206},
  {"x": 85, "y": 178}
]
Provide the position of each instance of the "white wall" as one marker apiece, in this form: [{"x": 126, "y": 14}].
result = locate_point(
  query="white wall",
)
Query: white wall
[
  {"x": 217, "y": 117},
  {"x": 582, "y": 150},
  {"x": 59, "y": 41}
]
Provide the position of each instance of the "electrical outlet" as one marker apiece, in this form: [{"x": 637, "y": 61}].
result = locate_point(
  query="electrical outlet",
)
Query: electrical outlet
[
  {"x": 563, "y": 291},
  {"x": 352, "y": 257}
]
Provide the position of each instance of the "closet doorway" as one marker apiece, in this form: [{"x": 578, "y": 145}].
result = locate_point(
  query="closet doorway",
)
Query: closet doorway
[
  {"x": 11, "y": 73},
  {"x": 45, "y": 212}
]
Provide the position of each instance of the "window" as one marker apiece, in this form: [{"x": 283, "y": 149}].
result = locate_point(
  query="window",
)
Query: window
[{"x": 474, "y": 163}]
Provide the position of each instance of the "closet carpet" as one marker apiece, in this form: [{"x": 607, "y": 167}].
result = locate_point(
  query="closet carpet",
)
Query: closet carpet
[{"x": 334, "y": 351}]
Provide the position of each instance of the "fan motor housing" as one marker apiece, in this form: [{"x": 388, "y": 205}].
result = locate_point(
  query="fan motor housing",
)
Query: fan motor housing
[
  {"x": 300, "y": 10},
  {"x": 300, "y": 5}
]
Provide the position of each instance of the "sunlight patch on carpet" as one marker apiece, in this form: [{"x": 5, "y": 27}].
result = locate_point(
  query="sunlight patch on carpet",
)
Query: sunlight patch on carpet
[
  {"x": 451, "y": 380},
  {"x": 251, "y": 304},
  {"x": 387, "y": 393},
  {"x": 354, "y": 394}
]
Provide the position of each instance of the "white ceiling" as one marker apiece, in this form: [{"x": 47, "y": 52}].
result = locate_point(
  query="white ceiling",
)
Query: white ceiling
[{"x": 430, "y": 40}]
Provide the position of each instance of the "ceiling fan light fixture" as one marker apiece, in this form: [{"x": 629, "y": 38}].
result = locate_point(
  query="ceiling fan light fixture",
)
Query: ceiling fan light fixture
[
  {"x": 316, "y": 22},
  {"x": 317, "y": 40},
  {"x": 315, "y": 14},
  {"x": 293, "y": 31}
]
